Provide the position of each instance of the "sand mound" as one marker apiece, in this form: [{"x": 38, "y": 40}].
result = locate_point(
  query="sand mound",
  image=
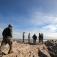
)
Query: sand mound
[{"x": 26, "y": 50}]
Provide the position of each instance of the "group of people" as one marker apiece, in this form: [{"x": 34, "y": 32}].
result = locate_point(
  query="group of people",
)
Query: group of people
[
  {"x": 40, "y": 38},
  {"x": 7, "y": 35},
  {"x": 34, "y": 38}
]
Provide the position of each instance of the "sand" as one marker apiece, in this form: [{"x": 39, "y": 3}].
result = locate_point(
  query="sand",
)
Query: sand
[{"x": 26, "y": 50}]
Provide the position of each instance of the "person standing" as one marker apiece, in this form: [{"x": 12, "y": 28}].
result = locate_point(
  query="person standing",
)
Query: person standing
[
  {"x": 40, "y": 37},
  {"x": 34, "y": 38},
  {"x": 29, "y": 38},
  {"x": 23, "y": 36}
]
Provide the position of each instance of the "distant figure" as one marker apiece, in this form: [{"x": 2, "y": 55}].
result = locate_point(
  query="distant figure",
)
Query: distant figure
[
  {"x": 7, "y": 35},
  {"x": 23, "y": 36},
  {"x": 40, "y": 37},
  {"x": 29, "y": 38},
  {"x": 34, "y": 38}
]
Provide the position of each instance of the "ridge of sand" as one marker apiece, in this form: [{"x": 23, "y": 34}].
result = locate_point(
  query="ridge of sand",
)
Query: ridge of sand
[{"x": 26, "y": 50}]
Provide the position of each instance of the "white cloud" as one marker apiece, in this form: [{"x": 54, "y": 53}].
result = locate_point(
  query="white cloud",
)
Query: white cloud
[
  {"x": 45, "y": 23},
  {"x": 42, "y": 19},
  {"x": 49, "y": 28}
]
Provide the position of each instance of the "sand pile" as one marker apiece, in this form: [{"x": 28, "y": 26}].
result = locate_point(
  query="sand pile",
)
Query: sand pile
[{"x": 26, "y": 50}]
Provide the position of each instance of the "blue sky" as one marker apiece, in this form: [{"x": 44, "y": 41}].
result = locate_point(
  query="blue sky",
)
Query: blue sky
[{"x": 29, "y": 16}]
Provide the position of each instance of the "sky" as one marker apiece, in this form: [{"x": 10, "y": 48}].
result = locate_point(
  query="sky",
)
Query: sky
[{"x": 32, "y": 16}]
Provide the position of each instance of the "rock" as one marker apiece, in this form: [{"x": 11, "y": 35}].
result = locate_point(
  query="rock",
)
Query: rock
[
  {"x": 52, "y": 47},
  {"x": 44, "y": 51}
]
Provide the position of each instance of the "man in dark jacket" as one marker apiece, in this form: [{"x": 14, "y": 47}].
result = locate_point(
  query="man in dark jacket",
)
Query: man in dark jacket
[
  {"x": 34, "y": 38},
  {"x": 7, "y": 35}
]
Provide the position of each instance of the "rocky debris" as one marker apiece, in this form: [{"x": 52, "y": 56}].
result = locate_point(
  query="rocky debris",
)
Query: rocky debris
[
  {"x": 44, "y": 51},
  {"x": 26, "y": 50},
  {"x": 52, "y": 47}
]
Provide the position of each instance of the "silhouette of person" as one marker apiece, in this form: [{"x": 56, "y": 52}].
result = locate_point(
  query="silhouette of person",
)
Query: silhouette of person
[
  {"x": 29, "y": 38},
  {"x": 23, "y": 36},
  {"x": 7, "y": 35},
  {"x": 40, "y": 37},
  {"x": 34, "y": 38}
]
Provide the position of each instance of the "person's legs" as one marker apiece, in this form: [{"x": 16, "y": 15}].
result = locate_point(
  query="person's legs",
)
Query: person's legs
[
  {"x": 3, "y": 42},
  {"x": 42, "y": 40},
  {"x": 39, "y": 40},
  {"x": 10, "y": 44},
  {"x": 34, "y": 41}
]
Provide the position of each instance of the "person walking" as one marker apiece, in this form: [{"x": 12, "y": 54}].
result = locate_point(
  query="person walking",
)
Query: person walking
[{"x": 7, "y": 35}]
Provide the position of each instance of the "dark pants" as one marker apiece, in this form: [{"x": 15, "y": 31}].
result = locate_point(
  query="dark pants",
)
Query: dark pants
[
  {"x": 34, "y": 41},
  {"x": 41, "y": 40},
  {"x": 5, "y": 41}
]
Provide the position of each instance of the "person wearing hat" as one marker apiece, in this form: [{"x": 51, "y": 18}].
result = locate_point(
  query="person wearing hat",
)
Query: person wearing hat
[{"x": 7, "y": 35}]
